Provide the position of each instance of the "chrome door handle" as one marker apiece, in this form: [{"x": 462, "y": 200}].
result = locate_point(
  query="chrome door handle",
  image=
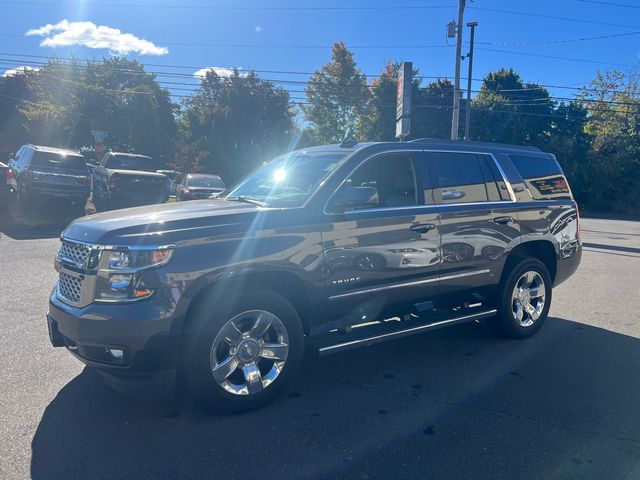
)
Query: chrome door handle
[
  {"x": 503, "y": 220},
  {"x": 422, "y": 227}
]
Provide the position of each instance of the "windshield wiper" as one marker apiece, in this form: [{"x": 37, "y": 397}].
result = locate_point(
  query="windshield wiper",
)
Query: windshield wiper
[{"x": 242, "y": 198}]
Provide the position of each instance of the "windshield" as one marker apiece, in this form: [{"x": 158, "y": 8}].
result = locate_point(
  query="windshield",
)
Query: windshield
[
  {"x": 287, "y": 181},
  {"x": 205, "y": 182},
  {"x": 130, "y": 162}
]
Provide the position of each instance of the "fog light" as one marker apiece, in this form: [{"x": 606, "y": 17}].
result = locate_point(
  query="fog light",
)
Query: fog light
[
  {"x": 116, "y": 354},
  {"x": 120, "y": 283}
]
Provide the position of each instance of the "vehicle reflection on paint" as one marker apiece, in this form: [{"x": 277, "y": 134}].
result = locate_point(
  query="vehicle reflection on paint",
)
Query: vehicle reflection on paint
[
  {"x": 487, "y": 243},
  {"x": 415, "y": 254},
  {"x": 565, "y": 229}
]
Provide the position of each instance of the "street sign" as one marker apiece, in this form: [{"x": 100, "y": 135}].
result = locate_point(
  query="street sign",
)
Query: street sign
[{"x": 403, "y": 100}]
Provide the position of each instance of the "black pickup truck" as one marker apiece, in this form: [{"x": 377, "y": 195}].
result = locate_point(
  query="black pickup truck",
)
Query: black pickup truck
[
  {"x": 322, "y": 249},
  {"x": 126, "y": 180}
]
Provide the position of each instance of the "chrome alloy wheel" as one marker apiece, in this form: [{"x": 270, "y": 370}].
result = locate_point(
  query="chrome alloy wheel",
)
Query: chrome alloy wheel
[
  {"x": 249, "y": 352},
  {"x": 528, "y": 298}
]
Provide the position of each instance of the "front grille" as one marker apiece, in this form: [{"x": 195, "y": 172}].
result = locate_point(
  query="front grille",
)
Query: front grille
[
  {"x": 75, "y": 254},
  {"x": 69, "y": 287}
]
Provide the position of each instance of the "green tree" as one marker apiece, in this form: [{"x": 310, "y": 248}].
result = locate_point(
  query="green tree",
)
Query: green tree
[
  {"x": 337, "y": 98},
  {"x": 508, "y": 110},
  {"x": 14, "y": 94},
  {"x": 72, "y": 98},
  {"x": 613, "y": 102},
  {"x": 238, "y": 120},
  {"x": 431, "y": 107}
]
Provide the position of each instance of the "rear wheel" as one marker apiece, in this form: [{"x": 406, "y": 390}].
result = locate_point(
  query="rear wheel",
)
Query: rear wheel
[
  {"x": 525, "y": 298},
  {"x": 241, "y": 356}
]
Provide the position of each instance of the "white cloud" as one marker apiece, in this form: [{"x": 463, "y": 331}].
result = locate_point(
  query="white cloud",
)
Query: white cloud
[
  {"x": 65, "y": 34},
  {"x": 221, "y": 71},
  {"x": 16, "y": 70},
  {"x": 258, "y": 28}
]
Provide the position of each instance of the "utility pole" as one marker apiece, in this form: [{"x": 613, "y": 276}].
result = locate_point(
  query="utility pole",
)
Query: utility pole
[
  {"x": 467, "y": 120},
  {"x": 456, "y": 89}
]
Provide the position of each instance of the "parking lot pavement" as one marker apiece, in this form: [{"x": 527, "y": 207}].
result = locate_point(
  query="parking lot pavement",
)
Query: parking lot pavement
[{"x": 455, "y": 403}]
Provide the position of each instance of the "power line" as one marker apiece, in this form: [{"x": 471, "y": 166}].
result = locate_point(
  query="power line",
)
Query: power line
[
  {"x": 232, "y": 7},
  {"x": 273, "y": 80},
  {"x": 553, "y": 17},
  {"x": 571, "y": 59},
  {"x": 610, "y": 4}
]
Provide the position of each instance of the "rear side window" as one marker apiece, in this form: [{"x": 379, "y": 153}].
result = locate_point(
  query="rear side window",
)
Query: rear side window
[
  {"x": 57, "y": 160},
  {"x": 458, "y": 177},
  {"x": 542, "y": 175}
]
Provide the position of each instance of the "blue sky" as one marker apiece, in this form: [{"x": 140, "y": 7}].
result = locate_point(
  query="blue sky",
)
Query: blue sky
[{"x": 244, "y": 35}]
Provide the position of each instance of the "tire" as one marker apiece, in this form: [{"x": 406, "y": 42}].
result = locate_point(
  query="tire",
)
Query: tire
[
  {"x": 255, "y": 380},
  {"x": 520, "y": 287}
]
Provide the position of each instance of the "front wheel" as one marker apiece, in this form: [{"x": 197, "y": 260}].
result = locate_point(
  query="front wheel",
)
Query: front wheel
[
  {"x": 525, "y": 298},
  {"x": 242, "y": 356}
]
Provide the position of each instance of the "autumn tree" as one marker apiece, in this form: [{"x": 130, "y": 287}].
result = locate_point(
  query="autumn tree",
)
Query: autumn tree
[{"x": 337, "y": 98}]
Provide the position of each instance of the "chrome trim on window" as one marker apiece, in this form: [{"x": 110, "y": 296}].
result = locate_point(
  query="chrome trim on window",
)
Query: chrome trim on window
[
  {"x": 408, "y": 284},
  {"x": 423, "y": 150}
]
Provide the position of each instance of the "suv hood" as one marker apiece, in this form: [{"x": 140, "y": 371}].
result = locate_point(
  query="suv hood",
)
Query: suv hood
[{"x": 162, "y": 224}]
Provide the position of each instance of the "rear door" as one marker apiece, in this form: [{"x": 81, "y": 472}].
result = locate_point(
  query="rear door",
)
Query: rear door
[
  {"x": 478, "y": 222},
  {"x": 386, "y": 248}
]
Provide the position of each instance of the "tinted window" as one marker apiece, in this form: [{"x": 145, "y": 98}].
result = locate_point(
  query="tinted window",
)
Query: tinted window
[
  {"x": 535, "y": 167},
  {"x": 130, "y": 162},
  {"x": 542, "y": 175},
  {"x": 57, "y": 160},
  {"x": 384, "y": 181},
  {"x": 205, "y": 182},
  {"x": 458, "y": 177}
]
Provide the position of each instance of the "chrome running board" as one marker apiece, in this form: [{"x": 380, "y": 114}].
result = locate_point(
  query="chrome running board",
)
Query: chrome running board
[{"x": 347, "y": 342}]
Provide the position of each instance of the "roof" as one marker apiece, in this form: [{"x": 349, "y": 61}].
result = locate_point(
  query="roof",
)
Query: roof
[
  {"x": 200, "y": 175},
  {"x": 129, "y": 154},
  {"x": 56, "y": 150},
  {"x": 427, "y": 142}
]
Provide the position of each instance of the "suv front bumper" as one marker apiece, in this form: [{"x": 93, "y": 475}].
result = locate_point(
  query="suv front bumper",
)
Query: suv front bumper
[{"x": 143, "y": 332}]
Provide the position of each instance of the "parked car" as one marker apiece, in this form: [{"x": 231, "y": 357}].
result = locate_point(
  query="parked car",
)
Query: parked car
[
  {"x": 39, "y": 175},
  {"x": 196, "y": 186},
  {"x": 125, "y": 180},
  {"x": 5, "y": 178},
  {"x": 174, "y": 178},
  {"x": 228, "y": 294}
]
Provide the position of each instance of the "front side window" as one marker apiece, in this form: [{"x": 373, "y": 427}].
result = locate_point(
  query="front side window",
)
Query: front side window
[
  {"x": 287, "y": 181},
  {"x": 458, "y": 177},
  {"x": 386, "y": 181}
]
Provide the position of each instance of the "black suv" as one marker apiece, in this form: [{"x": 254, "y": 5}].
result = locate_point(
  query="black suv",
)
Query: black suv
[
  {"x": 39, "y": 174},
  {"x": 127, "y": 180},
  {"x": 322, "y": 249}
]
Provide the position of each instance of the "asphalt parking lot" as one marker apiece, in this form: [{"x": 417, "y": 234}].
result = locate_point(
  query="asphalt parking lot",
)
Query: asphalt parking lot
[{"x": 454, "y": 403}]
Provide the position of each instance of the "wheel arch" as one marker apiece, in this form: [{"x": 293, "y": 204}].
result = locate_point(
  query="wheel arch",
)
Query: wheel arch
[
  {"x": 543, "y": 250},
  {"x": 283, "y": 282}
]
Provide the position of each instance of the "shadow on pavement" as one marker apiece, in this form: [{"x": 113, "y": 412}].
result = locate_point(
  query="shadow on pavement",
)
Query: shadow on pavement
[
  {"x": 38, "y": 223},
  {"x": 455, "y": 403}
]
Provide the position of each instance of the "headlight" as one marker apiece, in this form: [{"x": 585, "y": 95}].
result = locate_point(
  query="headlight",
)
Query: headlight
[{"x": 119, "y": 272}]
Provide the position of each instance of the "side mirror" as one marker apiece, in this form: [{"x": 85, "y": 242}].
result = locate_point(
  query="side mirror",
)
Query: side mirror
[
  {"x": 351, "y": 198},
  {"x": 12, "y": 156}
]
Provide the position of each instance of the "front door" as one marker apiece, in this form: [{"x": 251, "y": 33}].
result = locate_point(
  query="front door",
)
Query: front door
[{"x": 383, "y": 247}]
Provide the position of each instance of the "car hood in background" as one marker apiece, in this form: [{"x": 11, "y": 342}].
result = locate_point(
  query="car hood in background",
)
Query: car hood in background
[{"x": 162, "y": 224}]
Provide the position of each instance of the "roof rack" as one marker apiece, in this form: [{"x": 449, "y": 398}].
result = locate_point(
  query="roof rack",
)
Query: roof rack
[{"x": 472, "y": 142}]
